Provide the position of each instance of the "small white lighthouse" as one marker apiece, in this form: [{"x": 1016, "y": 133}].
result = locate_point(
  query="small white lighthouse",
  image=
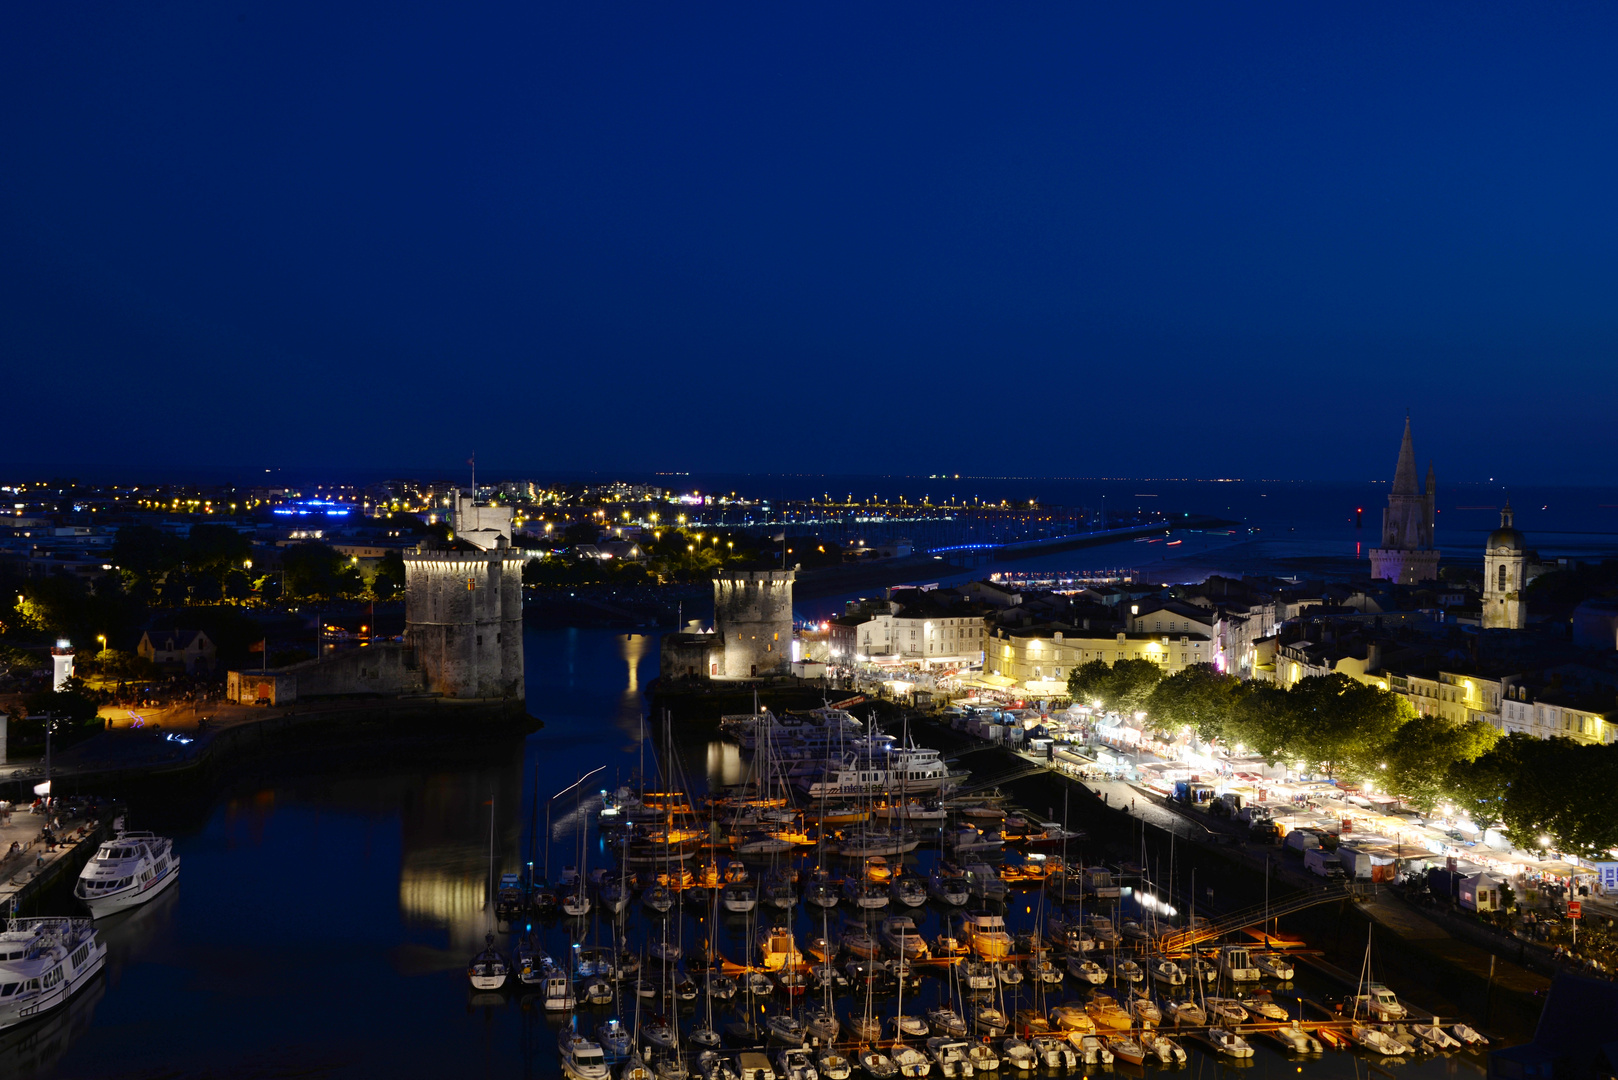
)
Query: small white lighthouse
[{"x": 62, "y": 661}]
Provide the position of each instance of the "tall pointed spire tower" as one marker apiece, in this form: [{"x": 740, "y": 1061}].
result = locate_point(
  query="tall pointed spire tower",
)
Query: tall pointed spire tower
[{"x": 1407, "y": 555}]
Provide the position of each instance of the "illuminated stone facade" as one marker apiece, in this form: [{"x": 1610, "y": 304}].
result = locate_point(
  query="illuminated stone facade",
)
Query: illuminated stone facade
[
  {"x": 752, "y": 622},
  {"x": 1505, "y": 574},
  {"x": 463, "y": 619}
]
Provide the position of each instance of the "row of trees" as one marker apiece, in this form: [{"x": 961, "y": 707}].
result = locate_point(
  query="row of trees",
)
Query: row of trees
[{"x": 1553, "y": 792}]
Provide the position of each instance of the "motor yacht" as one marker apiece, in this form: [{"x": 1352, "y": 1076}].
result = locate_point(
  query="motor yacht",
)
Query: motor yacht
[
  {"x": 1228, "y": 1043},
  {"x": 1236, "y": 964},
  {"x": 582, "y": 1058},
  {"x": 555, "y": 987},
  {"x": 949, "y": 1057},
  {"x": 1377, "y": 1041},
  {"x": 793, "y": 1063},
  {"x": 1262, "y": 1005},
  {"x": 1379, "y": 1002},
  {"x": 1054, "y": 1053},
  {"x": 43, "y": 963},
  {"x": 1164, "y": 1049},
  {"x": 1107, "y": 1013},
  {"x": 1293, "y": 1039},
  {"x": 127, "y": 871},
  {"x": 716, "y": 1066},
  {"x": 1089, "y": 1048},
  {"x": 1275, "y": 966},
  {"x": 1018, "y": 1054},
  {"x": 978, "y": 975},
  {"x": 986, "y": 933}
]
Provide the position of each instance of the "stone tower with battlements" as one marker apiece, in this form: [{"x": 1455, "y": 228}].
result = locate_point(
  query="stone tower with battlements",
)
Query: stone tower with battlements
[
  {"x": 463, "y": 608},
  {"x": 1407, "y": 555},
  {"x": 752, "y": 618}
]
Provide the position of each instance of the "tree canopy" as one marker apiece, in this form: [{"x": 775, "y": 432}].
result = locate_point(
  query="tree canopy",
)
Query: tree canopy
[
  {"x": 1200, "y": 697},
  {"x": 1123, "y": 687}
]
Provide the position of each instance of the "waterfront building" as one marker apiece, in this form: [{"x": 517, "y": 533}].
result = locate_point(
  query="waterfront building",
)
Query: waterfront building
[
  {"x": 1562, "y": 706},
  {"x": 916, "y": 635},
  {"x": 174, "y": 648},
  {"x": 1040, "y": 658},
  {"x": 1407, "y": 555}
]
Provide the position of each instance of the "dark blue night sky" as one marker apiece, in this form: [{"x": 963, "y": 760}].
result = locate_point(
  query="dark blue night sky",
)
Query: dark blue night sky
[{"x": 1155, "y": 240}]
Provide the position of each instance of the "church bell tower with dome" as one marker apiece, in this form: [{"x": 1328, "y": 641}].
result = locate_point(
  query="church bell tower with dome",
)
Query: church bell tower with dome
[
  {"x": 1407, "y": 555},
  {"x": 1505, "y": 572}
]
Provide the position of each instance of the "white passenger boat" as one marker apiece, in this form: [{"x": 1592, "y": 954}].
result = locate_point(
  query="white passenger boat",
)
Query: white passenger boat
[
  {"x": 127, "y": 871},
  {"x": 582, "y": 1058},
  {"x": 43, "y": 962}
]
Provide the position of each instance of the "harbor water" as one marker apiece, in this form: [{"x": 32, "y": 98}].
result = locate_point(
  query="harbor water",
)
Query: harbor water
[{"x": 328, "y": 906}]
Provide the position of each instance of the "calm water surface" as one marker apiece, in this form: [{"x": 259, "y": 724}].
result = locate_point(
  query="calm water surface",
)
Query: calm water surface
[{"x": 323, "y": 922}]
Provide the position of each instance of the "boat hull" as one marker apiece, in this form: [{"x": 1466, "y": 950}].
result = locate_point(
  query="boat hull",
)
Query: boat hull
[{"x": 134, "y": 896}]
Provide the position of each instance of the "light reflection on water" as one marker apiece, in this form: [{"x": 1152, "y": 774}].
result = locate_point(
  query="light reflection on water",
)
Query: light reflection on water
[{"x": 322, "y": 923}]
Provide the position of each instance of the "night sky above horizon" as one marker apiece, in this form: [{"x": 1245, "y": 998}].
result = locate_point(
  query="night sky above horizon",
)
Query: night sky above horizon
[{"x": 1063, "y": 240}]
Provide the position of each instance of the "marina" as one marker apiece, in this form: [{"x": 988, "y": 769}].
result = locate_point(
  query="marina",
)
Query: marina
[{"x": 408, "y": 846}]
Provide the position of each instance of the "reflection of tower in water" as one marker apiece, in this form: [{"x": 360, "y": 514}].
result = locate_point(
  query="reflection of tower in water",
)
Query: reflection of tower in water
[
  {"x": 445, "y": 875},
  {"x": 632, "y": 648}
]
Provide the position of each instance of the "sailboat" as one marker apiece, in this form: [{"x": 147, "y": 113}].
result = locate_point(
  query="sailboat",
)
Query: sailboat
[
  {"x": 490, "y": 968},
  {"x": 1365, "y": 1034}
]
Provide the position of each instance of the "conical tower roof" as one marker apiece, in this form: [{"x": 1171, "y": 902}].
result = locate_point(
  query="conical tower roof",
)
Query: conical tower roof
[{"x": 1404, "y": 476}]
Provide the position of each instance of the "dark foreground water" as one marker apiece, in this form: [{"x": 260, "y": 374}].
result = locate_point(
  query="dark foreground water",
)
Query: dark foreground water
[{"x": 326, "y": 910}]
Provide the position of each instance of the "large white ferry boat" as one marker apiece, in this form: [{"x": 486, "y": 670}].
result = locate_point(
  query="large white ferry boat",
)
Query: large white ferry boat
[
  {"x": 127, "y": 871},
  {"x": 909, "y": 770},
  {"x": 822, "y": 730},
  {"x": 43, "y": 962}
]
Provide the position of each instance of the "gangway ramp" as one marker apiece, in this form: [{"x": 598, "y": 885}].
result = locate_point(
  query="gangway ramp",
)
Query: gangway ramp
[{"x": 1182, "y": 940}]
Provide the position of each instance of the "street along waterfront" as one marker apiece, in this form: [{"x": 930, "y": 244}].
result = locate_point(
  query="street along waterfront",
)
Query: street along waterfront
[{"x": 330, "y": 905}]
